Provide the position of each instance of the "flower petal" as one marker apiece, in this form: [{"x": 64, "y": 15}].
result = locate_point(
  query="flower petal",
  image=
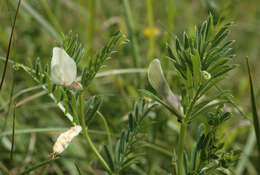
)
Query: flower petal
[
  {"x": 159, "y": 83},
  {"x": 63, "y": 68}
]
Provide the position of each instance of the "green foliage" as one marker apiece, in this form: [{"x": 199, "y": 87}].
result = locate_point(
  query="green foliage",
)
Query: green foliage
[
  {"x": 126, "y": 148},
  {"x": 201, "y": 61},
  {"x": 73, "y": 47},
  {"x": 157, "y": 99},
  {"x": 204, "y": 51},
  {"x": 41, "y": 164},
  {"x": 254, "y": 109},
  {"x": 69, "y": 97},
  {"x": 95, "y": 63},
  {"x": 191, "y": 89},
  {"x": 208, "y": 155}
]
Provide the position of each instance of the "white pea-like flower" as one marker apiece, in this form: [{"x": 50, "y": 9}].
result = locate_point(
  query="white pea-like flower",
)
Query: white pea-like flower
[
  {"x": 159, "y": 83},
  {"x": 65, "y": 139},
  {"x": 63, "y": 68}
]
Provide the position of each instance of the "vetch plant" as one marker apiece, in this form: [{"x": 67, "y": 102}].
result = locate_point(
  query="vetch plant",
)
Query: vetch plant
[
  {"x": 92, "y": 121},
  {"x": 200, "y": 62},
  {"x": 59, "y": 80}
]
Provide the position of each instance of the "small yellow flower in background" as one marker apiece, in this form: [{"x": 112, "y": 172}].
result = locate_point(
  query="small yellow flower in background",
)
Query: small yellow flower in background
[
  {"x": 147, "y": 32},
  {"x": 65, "y": 139}
]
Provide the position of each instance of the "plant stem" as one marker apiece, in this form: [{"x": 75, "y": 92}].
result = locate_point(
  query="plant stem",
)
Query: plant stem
[
  {"x": 91, "y": 24},
  {"x": 247, "y": 150},
  {"x": 181, "y": 148},
  {"x": 46, "y": 26},
  {"x": 13, "y": 134},
  {"x": 52, "y": 18},
  {"x": 92, "y": 146},
  {"x": 10, "y": 44},
  {"x": 41, "y": 164},
  {"x": 132, "y": 36},
  {"x": 149, "y": 6},
  {"x": 85, "y": 133},
  {"x": 254, "y": 109},
  {"x": 157, "y": 148},
  {"x": 107, "y": 130},
  {"x": 171, "y": 15}
]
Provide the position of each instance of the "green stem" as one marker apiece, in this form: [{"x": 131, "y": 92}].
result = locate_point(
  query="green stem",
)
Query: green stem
[
  {"x": 45, "y": 24},
  {"x": 254, "y": 109},
  {"x": 52, "y": 18},
  {"x": 244, "y": 159},
  {"x": 91, "y": 24},
  {"x": 85, "y": 133},
  {"x": 107, "y": 129},
  {"x": 151, "y": 28},
  {"x": 181, "y": 148},
  {"x": 41, "y": 164},
  {"x": 171, "y": 15},
  {"x": 92, "y": 146},
  {"x": 132, "y": 36},
  {"x": 157, "y": 148}
]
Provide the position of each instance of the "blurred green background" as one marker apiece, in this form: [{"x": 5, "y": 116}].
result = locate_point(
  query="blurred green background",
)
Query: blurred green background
[{"x": 38, "y": 30}]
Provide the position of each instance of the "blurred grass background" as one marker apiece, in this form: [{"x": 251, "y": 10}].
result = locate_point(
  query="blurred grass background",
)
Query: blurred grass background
[{"x": 38, "y": 30}]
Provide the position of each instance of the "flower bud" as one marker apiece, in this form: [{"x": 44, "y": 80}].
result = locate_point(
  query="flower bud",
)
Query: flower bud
[{"x": 206, "y": 75}]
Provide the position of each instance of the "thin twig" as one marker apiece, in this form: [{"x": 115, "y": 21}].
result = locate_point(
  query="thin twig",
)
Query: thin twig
[{"x": 9, "y": 45}]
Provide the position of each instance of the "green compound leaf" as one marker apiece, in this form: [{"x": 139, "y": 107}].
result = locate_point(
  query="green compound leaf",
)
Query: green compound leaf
[
  {"x": 196, "y": 65},
  {"x": 109, "y": 158},
  {"x": 95, "y": 63}
]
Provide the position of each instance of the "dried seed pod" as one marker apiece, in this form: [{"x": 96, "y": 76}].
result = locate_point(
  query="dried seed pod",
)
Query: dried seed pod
[{"x": 64, "y": 140}]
